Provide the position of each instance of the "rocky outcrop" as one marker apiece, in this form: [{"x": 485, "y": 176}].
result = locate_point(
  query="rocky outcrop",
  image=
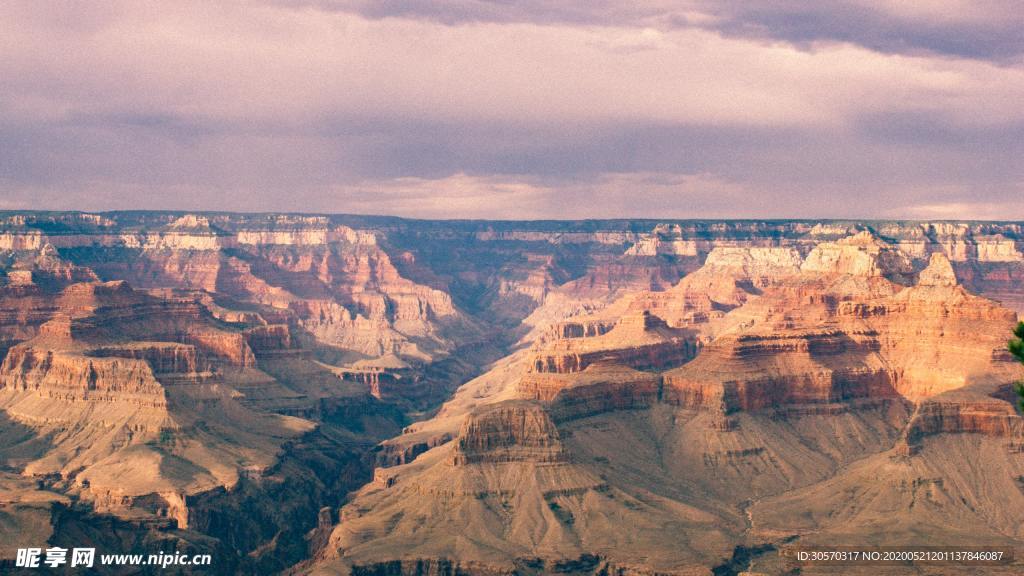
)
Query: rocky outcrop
[
  {"x": 390, "y": 454},
  {"x": 87, "y": 398},
  {"x": 346, "y": 295},
  {"x": 271, "y": 338},
  {"x": 298, "y": 237},
  {"x": 580, "y": 328},
  {"x": 729, "y": 277},
  {"x": 159, "y": 268},
  {"x": 229, "y": 347},
  {"x": 385, "y": 377},
  {"x": 162, "y": 357},
  {"x": 805, "y": 341},
  {"x": 526, "y": 507},
  {"x": 508, "y": 432},
  {"x": 70, "y": 376},
  {"x": 761, "y": 371},
  {"x": 311, "y": 231},
  {"x": 332, "y": 323},
  {"x": 655, "y": 245},
  {"x": 938, "y": 273},
  {"x": 113, "y": 312},
  {"x": 997, "y": 248},
  {"x": 21, "y": 240},
  {"x": 600, "y": 388},
  {"x": 137, "y": 393},
  {"x": 332, "y": 281},
  {"x": 23, "y": 309},
  {"x": 991, "y": 417},
  {"x": 166, "y": 505},
  {"x": 937, "y": 337},
  {"x": 760, "y": 265},
  {"x": 47, "y": 269},
  {"x": 639, "y": 340},
  {"x": 540, "y": 279},
  {"x": 862, "y": 254}
]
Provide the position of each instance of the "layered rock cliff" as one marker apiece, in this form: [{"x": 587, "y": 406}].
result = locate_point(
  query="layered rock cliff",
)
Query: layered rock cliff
[
  {"x": 601, "y": 387},
  {"x": 719, "y": 387},
  {"x": 843, "y": 342},
  {"x": 639, "y": 340},
  {"x": 123, "y": 383},
  {"x": 508, "y": 432},
  {"x": 505, "y": 480},
  {"x": 791, "y": 369}
]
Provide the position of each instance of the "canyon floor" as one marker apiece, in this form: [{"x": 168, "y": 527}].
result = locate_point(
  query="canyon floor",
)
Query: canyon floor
[{"x": 369, "y": 395}]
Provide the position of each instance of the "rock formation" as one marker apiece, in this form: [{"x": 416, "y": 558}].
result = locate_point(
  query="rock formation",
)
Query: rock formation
[
  {"x": 601, "y": 387},
  {"x": 503, "y": 495},
  {"x": 639, "y": 340},
  {"x": 774, "y": 352},
  {"x": 862, "y": 254},
  {"x": 508, "y": 432},
  {"x": 724, "y": 389}
]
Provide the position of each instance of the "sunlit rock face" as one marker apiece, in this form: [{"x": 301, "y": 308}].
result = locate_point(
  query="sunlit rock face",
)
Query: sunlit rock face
[
  {"x": 810, "y": 340},
  {"x": 938, "y": 273},
  {"x": 862, "y": 254}
]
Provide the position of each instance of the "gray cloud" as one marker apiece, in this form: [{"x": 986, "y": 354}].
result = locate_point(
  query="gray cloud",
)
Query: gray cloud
[
  {"x": 985, "y": 30},
  {"x": 602, "y": 110}
]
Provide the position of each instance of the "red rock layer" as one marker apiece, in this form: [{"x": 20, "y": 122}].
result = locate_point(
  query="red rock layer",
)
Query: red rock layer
[
  {"x": 23, "y": 309},
  {"x": 752, "y": 372},
  {"x": 597, "y": 389},
  {"x": 162, "y": 357},
  {"x": 229, "y": 347},
  {"x": 639, "y": 341},
  {"x": 990, "y": 417}
]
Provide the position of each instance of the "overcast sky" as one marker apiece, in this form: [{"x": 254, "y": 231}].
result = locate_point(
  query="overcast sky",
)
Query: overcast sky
[{"x": 500, "y": 109}]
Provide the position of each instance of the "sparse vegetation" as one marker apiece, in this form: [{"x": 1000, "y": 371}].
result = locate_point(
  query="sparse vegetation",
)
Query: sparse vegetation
[
  {"x": 1017, "y": 349},
  {"x": 166, "y": 436}
]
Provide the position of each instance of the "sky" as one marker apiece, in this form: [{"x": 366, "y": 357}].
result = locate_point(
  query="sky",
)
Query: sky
[{"x": 517, "y": 110}]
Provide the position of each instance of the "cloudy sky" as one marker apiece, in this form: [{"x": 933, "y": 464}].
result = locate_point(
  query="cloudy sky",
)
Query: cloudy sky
[{"x": 502, "y": 109}]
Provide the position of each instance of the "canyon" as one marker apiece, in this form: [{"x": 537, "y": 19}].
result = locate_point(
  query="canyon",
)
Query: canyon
[{"x": 373, "y": 395}]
